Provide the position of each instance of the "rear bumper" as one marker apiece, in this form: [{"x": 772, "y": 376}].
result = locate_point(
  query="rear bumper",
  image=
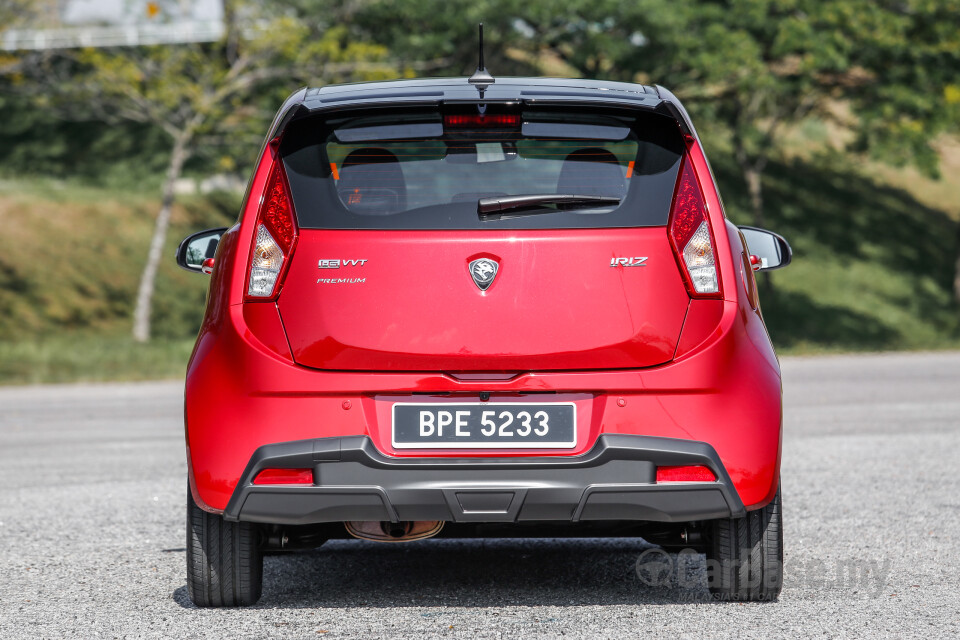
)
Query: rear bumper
[
  {"x": 241, "y": 395},
  {"x": 615, "y": 480}
]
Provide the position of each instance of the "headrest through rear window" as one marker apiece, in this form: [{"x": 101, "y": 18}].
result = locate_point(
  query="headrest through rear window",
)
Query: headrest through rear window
[{"x": 371, "y": 182}]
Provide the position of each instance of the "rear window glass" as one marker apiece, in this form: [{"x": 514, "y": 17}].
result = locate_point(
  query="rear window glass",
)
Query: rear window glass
[{"x": 428, "y": 170}]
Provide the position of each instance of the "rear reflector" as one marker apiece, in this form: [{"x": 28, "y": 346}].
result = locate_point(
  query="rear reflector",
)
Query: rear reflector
[
  {"x": 284, "y": 476},
  {"x": 685, "y": 474}
]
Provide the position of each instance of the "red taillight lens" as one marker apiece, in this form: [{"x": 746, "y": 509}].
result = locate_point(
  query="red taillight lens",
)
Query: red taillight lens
[
  {"x": 274, "y": 237},
  {"x": 692, "y": 237},
  {"x": 685, "y": 474},
  {"x": 276, "y": 213},
  {"x": 476, "y": 120},
  {"x": 284, "y": 476}
]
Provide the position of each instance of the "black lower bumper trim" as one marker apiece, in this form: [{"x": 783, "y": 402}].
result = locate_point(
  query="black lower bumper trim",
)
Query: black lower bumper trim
[{"x": 616, "y": 480}]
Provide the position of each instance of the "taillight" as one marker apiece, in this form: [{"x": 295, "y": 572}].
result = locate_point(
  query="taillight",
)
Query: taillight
[
  {"x": 692, "y": 237},
  {"x": 274, "y": 237}
]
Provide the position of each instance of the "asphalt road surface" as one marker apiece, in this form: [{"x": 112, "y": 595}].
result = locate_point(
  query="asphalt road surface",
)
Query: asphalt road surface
[{"x": 92, "y": 503}]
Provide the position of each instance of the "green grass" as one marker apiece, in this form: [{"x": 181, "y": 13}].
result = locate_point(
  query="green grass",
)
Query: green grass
[
  {"x": 91, "y": 359},
  {"x": 69, "y": 270},
  {"x": 72, "y": 258}
]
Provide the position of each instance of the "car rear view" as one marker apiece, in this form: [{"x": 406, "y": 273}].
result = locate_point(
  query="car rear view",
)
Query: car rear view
[{"x": 508, "y": 310}]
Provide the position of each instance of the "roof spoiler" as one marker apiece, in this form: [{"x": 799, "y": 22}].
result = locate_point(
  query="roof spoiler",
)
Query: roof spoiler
[
  {"x": 669, "y": 105},
  {"x": 672, "y": 107}
]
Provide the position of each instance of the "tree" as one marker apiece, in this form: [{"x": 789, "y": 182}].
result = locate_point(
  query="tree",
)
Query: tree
[
  {"x": 911, "y": 53},
  {"x": 194, "y": 92}
]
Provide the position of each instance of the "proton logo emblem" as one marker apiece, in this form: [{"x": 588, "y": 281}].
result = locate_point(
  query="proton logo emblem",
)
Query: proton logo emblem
[{"x": 483, "y": 271}]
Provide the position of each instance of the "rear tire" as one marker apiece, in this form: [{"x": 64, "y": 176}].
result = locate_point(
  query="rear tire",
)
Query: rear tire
[
  {"x": 745, "y": 555},
  {"x": 224, "y": 561}
]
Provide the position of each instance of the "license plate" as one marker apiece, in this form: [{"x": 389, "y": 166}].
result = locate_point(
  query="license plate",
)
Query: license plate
[{"x": 485, "y": 425}]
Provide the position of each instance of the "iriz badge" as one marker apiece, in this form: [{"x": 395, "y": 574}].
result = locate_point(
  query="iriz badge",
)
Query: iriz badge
[
  {"x": 628, "y": 262},
  {"x": 483, "y": 271}
]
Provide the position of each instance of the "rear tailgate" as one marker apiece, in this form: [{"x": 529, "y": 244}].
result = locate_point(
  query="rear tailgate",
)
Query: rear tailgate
[
  {"x": 390, "y": 221},
  {"x": 405, "y": 300}
]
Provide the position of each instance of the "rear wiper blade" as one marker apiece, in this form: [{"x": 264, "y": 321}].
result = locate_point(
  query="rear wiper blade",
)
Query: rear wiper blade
[{"x": 492, "y": 208}]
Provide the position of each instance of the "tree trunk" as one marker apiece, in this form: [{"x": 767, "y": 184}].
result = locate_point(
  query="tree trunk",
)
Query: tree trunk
[
  {"x": 751, "y": 175},
  {"x": 956, "y": 270},
  {"x": 141, "y": 313},
  {"x": 752, "y": 170}
]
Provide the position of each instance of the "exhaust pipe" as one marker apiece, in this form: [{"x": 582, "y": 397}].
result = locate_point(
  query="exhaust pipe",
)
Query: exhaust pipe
[
  {"x": 386, "y": 531},
  {"x": 396, "y": 530}
]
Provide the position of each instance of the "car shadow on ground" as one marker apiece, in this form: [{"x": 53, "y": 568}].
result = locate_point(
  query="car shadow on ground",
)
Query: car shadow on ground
[{"x": 479, "y": 573}]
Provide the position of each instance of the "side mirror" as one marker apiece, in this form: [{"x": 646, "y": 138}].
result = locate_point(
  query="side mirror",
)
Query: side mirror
[
  {"x": 196, "y": 251},
  {"x": 767, "y": 250}
]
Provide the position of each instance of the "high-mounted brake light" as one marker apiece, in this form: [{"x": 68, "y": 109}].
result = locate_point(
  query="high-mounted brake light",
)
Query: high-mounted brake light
[
  {"x": 485, "y": 120},
  {"x": 274, "y": 237},
  {"x": 692, "y": 237}
]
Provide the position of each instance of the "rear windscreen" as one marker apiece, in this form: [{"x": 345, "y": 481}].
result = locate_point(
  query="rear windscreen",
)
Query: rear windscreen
[{"x": 429, "y": 170}]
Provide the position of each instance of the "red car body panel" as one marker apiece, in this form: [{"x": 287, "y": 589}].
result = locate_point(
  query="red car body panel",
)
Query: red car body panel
[
  {"x": 620, "y": 318},
  {"x": 699, "y": 369}
]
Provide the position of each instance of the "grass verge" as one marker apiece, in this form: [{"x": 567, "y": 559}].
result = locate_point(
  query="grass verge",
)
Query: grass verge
[{"x": 91, "y": 359}]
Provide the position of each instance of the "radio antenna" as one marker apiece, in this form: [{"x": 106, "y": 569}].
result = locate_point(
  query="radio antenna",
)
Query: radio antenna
[{"x": 481, "y": 78}]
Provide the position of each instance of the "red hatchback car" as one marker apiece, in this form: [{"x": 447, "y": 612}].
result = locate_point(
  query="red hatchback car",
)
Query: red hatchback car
[{"x": 496, "y": 308}]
